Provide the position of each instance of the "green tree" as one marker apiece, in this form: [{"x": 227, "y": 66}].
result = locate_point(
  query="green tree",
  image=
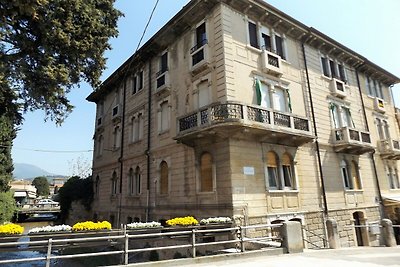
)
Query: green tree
[
  {"x": 49, "y": 46},
  {"x": 7, "y": 206},
  {"x": 42, "y": 186},
  {"x": 75, "y": 189}
]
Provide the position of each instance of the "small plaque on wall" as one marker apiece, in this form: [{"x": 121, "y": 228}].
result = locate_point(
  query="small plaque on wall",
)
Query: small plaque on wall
[{"x": 248, "y": 170}]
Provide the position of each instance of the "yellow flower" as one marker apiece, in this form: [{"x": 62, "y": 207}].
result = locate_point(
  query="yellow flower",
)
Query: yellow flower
[
  {"x": 11, "y": 229},
  {"x": 90, "y": 226},
  {"x": 184, "y": 221}
]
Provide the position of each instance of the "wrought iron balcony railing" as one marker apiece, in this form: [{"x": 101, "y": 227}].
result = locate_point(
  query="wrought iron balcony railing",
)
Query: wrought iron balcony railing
[{"x": 247, "y": 114}]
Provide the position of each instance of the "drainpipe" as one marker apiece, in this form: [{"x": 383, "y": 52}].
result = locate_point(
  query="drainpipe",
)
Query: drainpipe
[
  {"x": 325, "y": 208},
  {"x": 121, "y": 155},
  {"x": 371, "y": 155},
  {"x": 148, "y": 146}
]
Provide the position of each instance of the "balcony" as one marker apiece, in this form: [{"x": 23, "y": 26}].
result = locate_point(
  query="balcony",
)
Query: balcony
[
  {"x": 271, "y": 63},
  {"x": 248, "y": 122},
  {"x": 352, "y": 141},
  {"x": 338, "y": 88},
  {"x": 389, "y": 149}
]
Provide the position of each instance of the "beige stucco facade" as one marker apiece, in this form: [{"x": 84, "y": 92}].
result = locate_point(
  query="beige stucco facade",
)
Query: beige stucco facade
[{"x": 229, "y": 97}]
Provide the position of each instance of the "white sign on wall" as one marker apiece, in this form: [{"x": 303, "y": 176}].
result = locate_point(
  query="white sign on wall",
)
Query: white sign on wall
[{"x": 247, "y": 170}]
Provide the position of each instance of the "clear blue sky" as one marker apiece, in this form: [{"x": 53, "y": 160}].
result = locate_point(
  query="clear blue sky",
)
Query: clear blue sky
[{"x": 368, "y": 27}]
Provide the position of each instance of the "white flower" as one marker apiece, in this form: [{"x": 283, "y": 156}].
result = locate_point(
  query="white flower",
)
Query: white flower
[
  {"x": 49, "y": 228},
  {"x": 216, "y": 220},
  {"x": 138, "y": 225}
]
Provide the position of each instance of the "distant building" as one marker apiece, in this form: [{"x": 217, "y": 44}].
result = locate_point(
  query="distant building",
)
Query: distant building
[
  {"x": 236, "y": 109},
  {"x": 56, "y": 184},
  {"x": 24, "y": 192}
]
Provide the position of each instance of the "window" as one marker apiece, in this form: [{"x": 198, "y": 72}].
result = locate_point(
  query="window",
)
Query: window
[
  {"x": 270, "y": 96},
  {"x": 117, "y": 137},
  {"x": 197, "y": 51},
  {"x": 383, "y": 129},
  {"x": 279, "y": 46},
  {"x": 374, "y": 88},
  {"x": 341, "y": 116},
  {"x": 134, "y": 181},
  {"x": 140, "y": 80},
  {"x": 272, "y": 169},
  {"x": 164, "y": 117},
  {"x": 345, "y": 175},
  {"x": 164, "y": 178},
  {"x": 163, "y": 67},
  {"x": 287, "y": 171},
  {"x": 350, "y": 175},
  {"x": 137, "y": 128},
  {"x": 204, "y": 98},
  {"x": 206, "y": 173},
  {"x": 253, "y": 35},
  {"x": 281, "y": 175},
  {"x": 325, "y": 67},
  {"x": 333, "y": 69},
  {"x": 393, "y": 178},
  {"x": 266, "y": 39},
  {"x": 114, "y": 183},
  {"x": 270, "y": 40},
  {"x": 100, "y": 144}
]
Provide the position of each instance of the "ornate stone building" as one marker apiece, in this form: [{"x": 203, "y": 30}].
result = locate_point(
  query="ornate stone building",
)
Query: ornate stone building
[{"x": 236, "y": 109}]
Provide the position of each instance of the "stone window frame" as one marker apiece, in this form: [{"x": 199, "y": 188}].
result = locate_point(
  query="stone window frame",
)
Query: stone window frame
[
  {"x": 198, "y": 172},
  {"x": 280, "y": 172}
]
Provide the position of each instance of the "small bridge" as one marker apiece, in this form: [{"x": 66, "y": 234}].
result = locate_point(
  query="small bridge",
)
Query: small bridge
[{"x": 27, "y": 211}]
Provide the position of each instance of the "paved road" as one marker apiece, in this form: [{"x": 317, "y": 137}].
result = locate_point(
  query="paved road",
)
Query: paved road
[{"x": 348, "y": 257}]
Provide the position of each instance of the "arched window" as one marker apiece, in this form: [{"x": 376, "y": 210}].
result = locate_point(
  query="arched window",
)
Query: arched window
[
  {"x": 272, "y": 169},
  {"x": 137, "y": 181},
  {"x": 114, "y": 182},
  {"x": 117, "y": 137},
  {"x": 163, "y": 178},
  {"x": 287, "y": 170},
  {"x": 345, "y": 175},
  {"x": 355, "y": 176},
  {"x": 206, "y": 173}
]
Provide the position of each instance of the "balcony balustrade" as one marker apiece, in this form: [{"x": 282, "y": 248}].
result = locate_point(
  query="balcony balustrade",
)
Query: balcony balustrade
[
  {"x": 352, "y": 141},
  {"x": 389, "y": 149},
  {"x": 245, "y": 121}
]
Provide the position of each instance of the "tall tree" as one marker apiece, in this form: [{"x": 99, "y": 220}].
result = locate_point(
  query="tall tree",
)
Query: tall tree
[
  {"x": 42, "y": 186},
  {"x": 49, "y": 46}
]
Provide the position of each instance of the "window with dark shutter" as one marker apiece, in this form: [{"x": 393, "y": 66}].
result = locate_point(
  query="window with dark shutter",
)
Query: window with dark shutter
[
  {"x": 253, "y": 35},
  {"x": 267, "y": 42},
  {"x": 279, "y": 46},
  {"x": 164, "y": 62},
  {"x": 342, "y": 73},
  {"x": 333, "y": 69},
  {"x": 325, "y": 68}
]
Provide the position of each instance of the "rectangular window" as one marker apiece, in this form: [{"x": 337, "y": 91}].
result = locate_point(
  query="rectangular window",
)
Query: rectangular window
[
  {"x": 253, "y": 35},
  {"x": 134, "y": 90},
  {"x": 345, "y": 176},
  {"x": 346, "y": 118},
  {"x": 379, "y": 126},
  {"x": 140, "y": 81},
  {"x": 201, "y": 35},
  {"x": 273, "y": 177},
  {"x": 279, "y": 46},
  {"x": 204, "y": 99},
  {"x": 342, "y": 73},
  {"x": 279, "y": 100},
  {"x": 287, "y": 175},
  {"x": 164, "y": 63},
  {"x": 332, "y": 66},
  {"x": 266, "y": 42},
  {"x": 325, "y": 68},
  {"x": 368, "y": 85},
  {"x": 164, "y": 117},
  {"x": 265, "y": 98}
]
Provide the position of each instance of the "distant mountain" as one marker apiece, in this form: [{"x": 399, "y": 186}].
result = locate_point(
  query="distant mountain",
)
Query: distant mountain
[{"x": 29, "y": 171}]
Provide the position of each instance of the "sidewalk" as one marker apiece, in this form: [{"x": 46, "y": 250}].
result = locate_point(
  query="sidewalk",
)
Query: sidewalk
[{"x": 345, "y": 257}]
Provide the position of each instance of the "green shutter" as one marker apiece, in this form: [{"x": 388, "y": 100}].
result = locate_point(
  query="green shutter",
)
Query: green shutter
[{"x": 258, "y": 91}]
